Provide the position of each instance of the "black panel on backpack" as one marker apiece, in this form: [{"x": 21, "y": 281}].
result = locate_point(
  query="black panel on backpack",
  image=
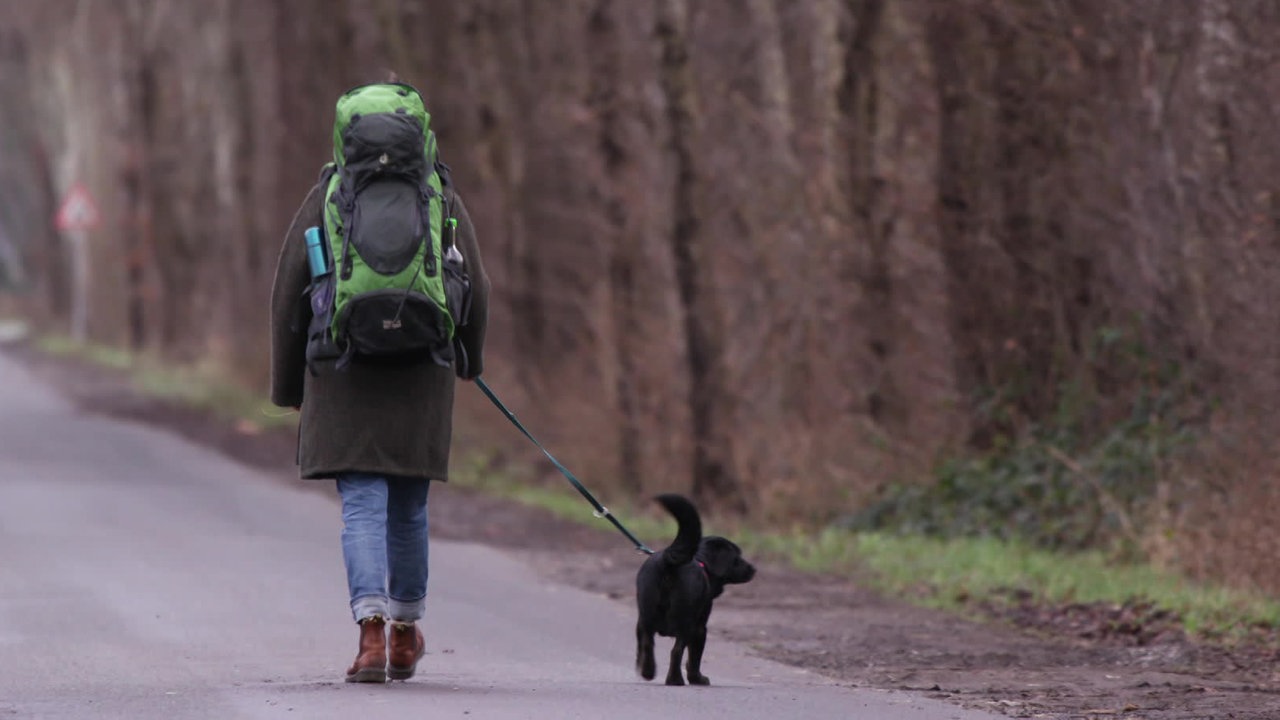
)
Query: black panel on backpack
[
  {"x": 378, "y": 324},
  {"x": 384, "y": 144},
  {"x": 386, "y": 225}
]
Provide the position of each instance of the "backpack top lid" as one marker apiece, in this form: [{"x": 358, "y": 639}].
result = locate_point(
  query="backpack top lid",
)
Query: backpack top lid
[{"x": 380, "y": 98}]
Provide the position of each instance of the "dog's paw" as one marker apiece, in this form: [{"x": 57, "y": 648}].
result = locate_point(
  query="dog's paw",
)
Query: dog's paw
[
  {"x": 675, "y": 679},
  {"x": 699, "y": 680}
]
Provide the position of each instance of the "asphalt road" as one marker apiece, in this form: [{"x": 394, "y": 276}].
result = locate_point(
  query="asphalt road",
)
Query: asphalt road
[{"x": 144, "y": 577}]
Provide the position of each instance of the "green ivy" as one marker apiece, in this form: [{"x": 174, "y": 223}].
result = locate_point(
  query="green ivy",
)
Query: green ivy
[{"x": 1073, "y": 481}]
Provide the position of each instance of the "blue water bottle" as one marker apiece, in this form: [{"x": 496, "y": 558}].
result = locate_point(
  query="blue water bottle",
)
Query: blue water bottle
[
  {"x": 316, "y": 256},
  {"x": 321, "y": 283}
]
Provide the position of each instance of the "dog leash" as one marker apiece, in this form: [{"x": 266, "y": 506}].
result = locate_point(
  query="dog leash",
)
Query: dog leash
[{"x": 600, "y": 510}]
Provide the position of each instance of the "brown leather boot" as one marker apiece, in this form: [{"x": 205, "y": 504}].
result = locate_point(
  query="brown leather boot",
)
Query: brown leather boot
[
  {"x": 406, "y": 649},
  {"x": 371, "y": 662}
]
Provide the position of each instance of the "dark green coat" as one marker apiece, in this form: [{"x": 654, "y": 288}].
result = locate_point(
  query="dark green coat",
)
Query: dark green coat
[{"x": 376, "y": 419}]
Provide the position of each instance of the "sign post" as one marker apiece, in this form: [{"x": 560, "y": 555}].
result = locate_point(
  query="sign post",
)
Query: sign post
[{"x": 77, "y": 216}]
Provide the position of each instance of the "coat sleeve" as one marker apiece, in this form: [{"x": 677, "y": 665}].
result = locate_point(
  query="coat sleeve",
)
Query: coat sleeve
[
  {"x": 471, "y": 335},
  {"x": 290, "y": 312}
]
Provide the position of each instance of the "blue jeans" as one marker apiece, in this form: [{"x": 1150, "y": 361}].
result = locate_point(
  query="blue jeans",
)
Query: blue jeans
[{"x": 384, "y": 544}]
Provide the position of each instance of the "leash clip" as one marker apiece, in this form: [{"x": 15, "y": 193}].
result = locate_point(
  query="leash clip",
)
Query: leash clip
[{"x": 602, "y": 513}]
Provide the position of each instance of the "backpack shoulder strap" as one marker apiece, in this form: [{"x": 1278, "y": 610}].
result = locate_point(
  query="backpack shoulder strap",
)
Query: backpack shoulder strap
[{"x": 327, "y": 172}]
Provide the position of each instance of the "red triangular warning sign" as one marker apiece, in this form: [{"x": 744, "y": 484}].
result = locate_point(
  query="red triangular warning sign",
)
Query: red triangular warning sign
[{"x": 78, "y": 210}]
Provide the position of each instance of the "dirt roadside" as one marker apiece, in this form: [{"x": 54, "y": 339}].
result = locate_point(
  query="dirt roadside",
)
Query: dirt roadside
[{"x": 1032, "y": 662}]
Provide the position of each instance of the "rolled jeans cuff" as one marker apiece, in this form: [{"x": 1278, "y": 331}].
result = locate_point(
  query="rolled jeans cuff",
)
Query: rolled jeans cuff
[
  {"x": 407, "y": 611},
  {"x": 368, "y": 606}
]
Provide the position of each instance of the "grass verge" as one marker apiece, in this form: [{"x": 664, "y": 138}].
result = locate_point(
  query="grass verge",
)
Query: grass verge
[
  {"x": 951, "y": 573},
  {"x": 202, "y": 387}
]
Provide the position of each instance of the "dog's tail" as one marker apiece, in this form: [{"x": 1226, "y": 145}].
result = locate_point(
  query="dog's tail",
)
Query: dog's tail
[{"x": 689, "y": 528}]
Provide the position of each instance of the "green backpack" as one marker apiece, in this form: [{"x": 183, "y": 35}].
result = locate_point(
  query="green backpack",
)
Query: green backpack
[{"x": 396, "y": 289}]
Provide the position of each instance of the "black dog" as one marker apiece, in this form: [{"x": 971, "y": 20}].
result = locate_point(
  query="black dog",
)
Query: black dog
[{"x": 675, "y": 588}]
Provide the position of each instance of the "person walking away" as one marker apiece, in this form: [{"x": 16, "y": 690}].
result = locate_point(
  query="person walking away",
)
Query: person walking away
[{"x": 380, "y": 301}]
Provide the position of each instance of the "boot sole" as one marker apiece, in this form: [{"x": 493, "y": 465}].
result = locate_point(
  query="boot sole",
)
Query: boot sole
[
  {"x": 368, "y": 675},
  {"x": 395, "y": 673}
]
